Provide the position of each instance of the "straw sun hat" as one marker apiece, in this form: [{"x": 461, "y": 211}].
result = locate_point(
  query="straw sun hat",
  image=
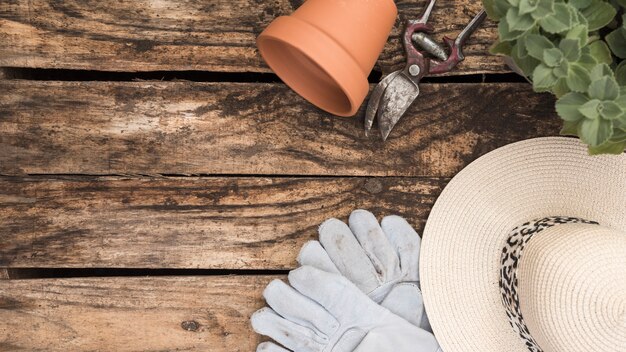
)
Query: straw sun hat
[{"x": 525, "y": 250}]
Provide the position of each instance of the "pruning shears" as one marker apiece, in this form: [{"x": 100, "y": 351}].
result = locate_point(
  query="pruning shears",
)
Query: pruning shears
[{"x": 397, "y": 91}]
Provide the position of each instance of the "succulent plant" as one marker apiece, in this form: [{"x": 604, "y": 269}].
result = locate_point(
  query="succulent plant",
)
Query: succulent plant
[{"x": 576, "y": 50}]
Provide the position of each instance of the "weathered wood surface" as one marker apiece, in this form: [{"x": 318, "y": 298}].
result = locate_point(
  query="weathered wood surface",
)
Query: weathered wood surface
[
  {"x": 105, "y": 128},
  {"x": 210, "y": 35},
  {"x": 225, "y": 223},
  {"x": 130, "y": 314}
]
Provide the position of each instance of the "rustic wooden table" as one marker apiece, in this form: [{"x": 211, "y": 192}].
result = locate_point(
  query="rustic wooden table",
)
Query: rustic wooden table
[{"x": 155, "y": 175}]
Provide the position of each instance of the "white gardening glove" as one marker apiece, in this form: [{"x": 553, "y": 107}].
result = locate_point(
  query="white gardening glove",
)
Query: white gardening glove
[
  {"x": 324, "y": 312},
  {"x": 382, "y": 260}
]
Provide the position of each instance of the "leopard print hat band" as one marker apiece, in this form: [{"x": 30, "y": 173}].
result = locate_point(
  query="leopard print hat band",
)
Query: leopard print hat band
[{"x": 511, "y": 254}]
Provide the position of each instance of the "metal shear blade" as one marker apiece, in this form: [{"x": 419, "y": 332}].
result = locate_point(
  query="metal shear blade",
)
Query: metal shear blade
[
  {"x": 397, "y": 99},
  {"x": 375, "y": 99},
  {"x": 396, "y": 92}
]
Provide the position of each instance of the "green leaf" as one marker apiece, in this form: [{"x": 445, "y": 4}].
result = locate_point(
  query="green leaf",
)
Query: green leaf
[
  {"x": 599, "y": 14},
  {"x": 491, "y": 10},
  {"x": 570, "y": 49},
  {"x": 621, "y": 101},
  {"x": 520, "y": 47},
  {"x": 543, "y": 78},
  {"x": 590, "y": 109},
  {"x": 617, "y": 42},
  {"x": 506, "y": 34},
  {"x": 496, "y": 9},
  {"x": 517, "y": 21},
  {"x": 559, "y": 21},
  {"x": 580, "y": 4},
  {"x": 569, "y": 128},
  {"x": 527, "y": 6},
  {"x": 501, "y": 48},
  {"x": 536, "y": 44},
  {"x": 621, "y": 3},
  {"x": 605, "y": 88},
  {"x": 578, "y": 79},
  {"x": 609, "y": 147},
  {"x": 581, "y": 19},
  {"x": 514, "y": 3},
  {"x": 510, "y": 63},
  {"x": 600, "y": 71},
  {"x": 573, "y": 14},
  {"x": 611, "y": 111},
  {"x": 618, "y": 136},
  {"x": 567, "y": 106},
  {"x": 552, "y": 57},
  {"x": 523, "y": 61},
  {"x": 544, "y": 8},
  {"x": 620, "y": 73},
  {"x": 560, "y": 88},
  {"x": 587, "y": 61},
  {"x": 600, "y": 51},
  {"x": 562, "y": 70},
  {"x": 595, "y": 131},
  {"x": 579, "y": 32}
]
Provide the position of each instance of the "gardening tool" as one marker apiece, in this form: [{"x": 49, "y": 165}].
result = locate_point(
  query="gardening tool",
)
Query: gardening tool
[{"x": 397, "y": 91}]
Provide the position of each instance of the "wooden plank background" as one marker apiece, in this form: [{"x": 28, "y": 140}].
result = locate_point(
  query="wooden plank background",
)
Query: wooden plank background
[
  {"x": 105, "y": 173},
  {"x": 215, "y": 35},
  {"x": 223, "y": 223},
  {"x": 246, "y": 128},
  {"x": 208, "y": 313}
]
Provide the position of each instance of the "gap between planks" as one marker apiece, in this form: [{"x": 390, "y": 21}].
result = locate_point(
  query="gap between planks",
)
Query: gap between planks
[
  {"x": 207, "y": 76},
  {"x": 66, "y": 273}
]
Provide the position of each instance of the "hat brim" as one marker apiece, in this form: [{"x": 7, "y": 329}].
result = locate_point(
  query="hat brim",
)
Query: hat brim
[{"x": 471, "y": 219}]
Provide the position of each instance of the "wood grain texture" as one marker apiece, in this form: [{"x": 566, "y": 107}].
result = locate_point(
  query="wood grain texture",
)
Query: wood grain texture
[
  {"x": 209, "y": 35},
  {"x": 130, "y": 314},
  {"x": 223, "y": 223},
  {"x": 184, "y": 128}
]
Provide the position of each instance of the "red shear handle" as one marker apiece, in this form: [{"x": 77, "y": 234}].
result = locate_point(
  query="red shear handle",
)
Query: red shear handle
[
  {"x": 414, "y": 56},
  {"x": 456, "y": 56},
  {"x": 456, "y": 46}
]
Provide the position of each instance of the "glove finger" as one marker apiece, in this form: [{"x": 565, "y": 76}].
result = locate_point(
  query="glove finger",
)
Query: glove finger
[
  {"x": 406, "y": 243},
  {"x": 340, "y": 297},
  {"x": 291, "y": 335},
  {"x": 295, "y": 307},
  {"x": 270, "y": 347},
  {"x": 405, "y": 300},
  {"x": 346, "y": 253},
  {"x": 314, "y": 255},
  {"x": 375, "y": 244}
]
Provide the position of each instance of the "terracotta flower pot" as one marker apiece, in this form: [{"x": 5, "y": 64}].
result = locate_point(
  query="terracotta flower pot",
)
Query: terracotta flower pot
[{"x": 326, "y": 49}]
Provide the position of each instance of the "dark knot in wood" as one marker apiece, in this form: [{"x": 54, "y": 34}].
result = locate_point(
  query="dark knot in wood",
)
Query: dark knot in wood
[
  {"x": 190, "y": 325},
  {"x": 373, "y": 186}
]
